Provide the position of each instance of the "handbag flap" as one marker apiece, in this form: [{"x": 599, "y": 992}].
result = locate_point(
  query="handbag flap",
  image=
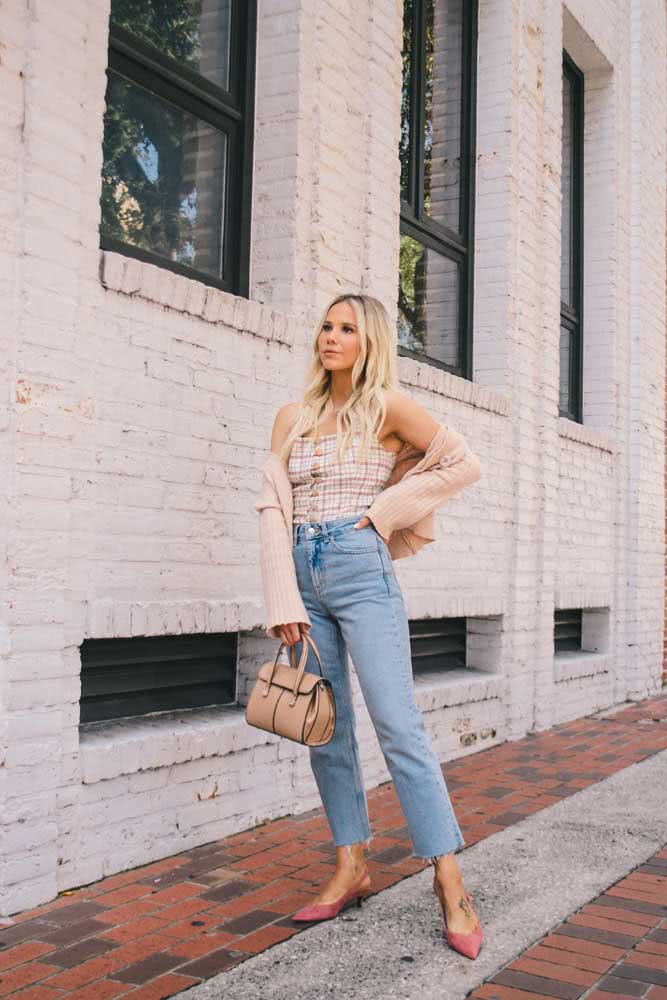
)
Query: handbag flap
[{"x": 285, "y": 675}]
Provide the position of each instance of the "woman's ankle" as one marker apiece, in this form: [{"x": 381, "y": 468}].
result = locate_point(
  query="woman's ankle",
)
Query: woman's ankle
[
  {"x": 447, "y": 872},
  {"x": 351, "y": 857},
  {"x": 445, "y": 863}
]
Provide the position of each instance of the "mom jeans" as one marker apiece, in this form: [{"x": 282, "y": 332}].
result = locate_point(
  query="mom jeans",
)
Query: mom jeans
[{"x": 350, "y": 590}]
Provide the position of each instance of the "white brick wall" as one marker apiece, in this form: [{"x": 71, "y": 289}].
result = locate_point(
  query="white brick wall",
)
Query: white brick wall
[{"x": 137, "y": 409}]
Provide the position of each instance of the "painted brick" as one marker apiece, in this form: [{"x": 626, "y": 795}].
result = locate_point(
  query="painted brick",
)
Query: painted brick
[{"x": 142, "y": 401}]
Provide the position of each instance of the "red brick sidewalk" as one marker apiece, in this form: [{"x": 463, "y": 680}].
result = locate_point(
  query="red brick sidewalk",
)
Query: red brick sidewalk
[
  {"x": 154, "y": 931},
  {"x": 613, "y": 948}
]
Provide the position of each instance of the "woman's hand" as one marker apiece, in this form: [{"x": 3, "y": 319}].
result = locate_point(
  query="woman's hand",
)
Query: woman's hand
[
  {"x": 365, "y": 521},
  {"x": 292, "y": 633}
]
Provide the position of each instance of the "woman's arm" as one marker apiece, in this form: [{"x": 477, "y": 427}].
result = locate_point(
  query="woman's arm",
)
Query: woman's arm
[
  {"x": 288, "y": 617},
  {"x": 409, "y": 421},
  {"x": 416, "y": 495}
]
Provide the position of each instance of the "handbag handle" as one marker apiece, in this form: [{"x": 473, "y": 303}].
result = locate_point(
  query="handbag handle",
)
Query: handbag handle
[
  {"x": 292, "y": 652},
  {"x": 305, "y": 640},
  {"x": 302, "y": 662}
]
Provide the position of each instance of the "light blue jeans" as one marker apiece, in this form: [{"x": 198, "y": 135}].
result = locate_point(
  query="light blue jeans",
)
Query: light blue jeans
[{"x": 349, "y": 587}]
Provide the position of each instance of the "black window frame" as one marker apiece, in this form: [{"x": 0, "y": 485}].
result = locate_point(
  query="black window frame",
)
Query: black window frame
[
  {"x": 571, "y": 314},
  {"x": 458, "y": 247},
  {"x": 231, "y": 111}
]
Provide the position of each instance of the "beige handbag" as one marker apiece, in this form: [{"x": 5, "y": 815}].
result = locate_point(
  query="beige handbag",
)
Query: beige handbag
[{"x": 290, "y": 702}]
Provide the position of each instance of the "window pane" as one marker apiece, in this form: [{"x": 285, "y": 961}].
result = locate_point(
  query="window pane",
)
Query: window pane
[
  {"x": 194, "y": 32},
  {"x": 163, "y": 178},
  {"x": 443, "y": 77},
  {"x": 566, "y": 191},
  {"x": 406, "y": 103},
  {"x": 428, "y": 302},
  {"x": 564, "y": 402}
]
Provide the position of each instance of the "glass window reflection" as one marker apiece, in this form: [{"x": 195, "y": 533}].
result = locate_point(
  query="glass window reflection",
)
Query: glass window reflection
[
  {"x": 443, "y": 72},
  {"x": 428, "y": 302},
  {"x": 195, "y": 33},
  {"x": 163, "y": 178}
]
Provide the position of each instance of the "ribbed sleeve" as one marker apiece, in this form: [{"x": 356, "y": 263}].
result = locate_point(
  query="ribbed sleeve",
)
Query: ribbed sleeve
[
  {"x": 281, "y": 591},
  {"x": 420, "y": 492}
]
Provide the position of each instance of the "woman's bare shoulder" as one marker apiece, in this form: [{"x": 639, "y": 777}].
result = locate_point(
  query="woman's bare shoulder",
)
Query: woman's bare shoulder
[
  {"x": 287, "y": 414},
  {"x": 398, "y": 403},
  {"x": 393, "y": 398},
  {"x": 395, "y": 402},
  {"x": 282, "y": 424},
  {"x": 408, "y": 421}
]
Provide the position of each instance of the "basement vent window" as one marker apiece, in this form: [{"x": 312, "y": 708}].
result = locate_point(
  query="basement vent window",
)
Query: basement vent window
[
  {"x": 567, "y": 629},
  {"x": 437, "y": 644},
  {"x": 145, "y": 674}
]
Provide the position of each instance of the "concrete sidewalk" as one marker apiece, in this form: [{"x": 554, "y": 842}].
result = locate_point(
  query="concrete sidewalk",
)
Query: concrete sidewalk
[{"x": 525, "y": 880}]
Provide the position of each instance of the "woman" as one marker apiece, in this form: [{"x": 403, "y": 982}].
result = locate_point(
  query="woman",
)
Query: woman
[{"x": 356, "y": 470}]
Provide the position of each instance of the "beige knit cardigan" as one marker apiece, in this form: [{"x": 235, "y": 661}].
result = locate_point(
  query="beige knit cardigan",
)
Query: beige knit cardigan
[{"x": 402, "y": 513}]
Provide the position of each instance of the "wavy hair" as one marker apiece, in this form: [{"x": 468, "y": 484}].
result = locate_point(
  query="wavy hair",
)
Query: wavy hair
[{"x": 374, "y": 371}]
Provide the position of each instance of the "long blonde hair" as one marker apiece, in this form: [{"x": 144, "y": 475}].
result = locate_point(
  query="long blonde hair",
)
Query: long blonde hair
[{"x": 374, "y": 371}]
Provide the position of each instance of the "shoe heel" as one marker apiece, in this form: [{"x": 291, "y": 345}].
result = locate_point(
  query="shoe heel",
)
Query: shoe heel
[{"x": 325, "y": 911}]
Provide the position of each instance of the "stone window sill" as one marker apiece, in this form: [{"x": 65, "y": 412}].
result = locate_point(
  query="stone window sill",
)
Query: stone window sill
[
  {"x": 574, "y": 431},
  {"x": 423, "y": 375},
  {"x": 125, "y": 746},
  {"x": 575, "y": 665},
  {"x": 456, "y": 687},
  {"x": 141, "y": 280}
]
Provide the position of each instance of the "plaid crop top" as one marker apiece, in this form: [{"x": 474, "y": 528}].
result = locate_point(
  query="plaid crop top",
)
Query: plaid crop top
[{"x": 324, "y": 487}]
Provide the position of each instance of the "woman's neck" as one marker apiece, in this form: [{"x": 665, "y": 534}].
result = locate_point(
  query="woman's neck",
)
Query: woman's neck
[{"x": 340, "y": 388}]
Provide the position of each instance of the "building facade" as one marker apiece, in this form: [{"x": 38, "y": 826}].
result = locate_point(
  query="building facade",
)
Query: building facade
[{"x": 178, "y": 203}]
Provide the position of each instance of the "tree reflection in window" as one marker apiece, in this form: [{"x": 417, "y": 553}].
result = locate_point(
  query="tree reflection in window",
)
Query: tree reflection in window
[
  {"x": 177, "y": 144},
  {"x": 163, "y": 178},
  {"x": 436, "y": 152},
  {"x": 195, "y": 33}
]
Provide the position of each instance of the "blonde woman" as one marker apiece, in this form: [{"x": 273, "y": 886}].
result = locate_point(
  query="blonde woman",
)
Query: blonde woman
[{"x": 355, "y": 472}]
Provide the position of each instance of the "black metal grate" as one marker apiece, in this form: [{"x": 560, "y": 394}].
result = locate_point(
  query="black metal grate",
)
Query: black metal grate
[
  {"x": 437, "y": 644},
  {"x": 135, "y": 676},
  {"x": 567, "y": 629}
]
